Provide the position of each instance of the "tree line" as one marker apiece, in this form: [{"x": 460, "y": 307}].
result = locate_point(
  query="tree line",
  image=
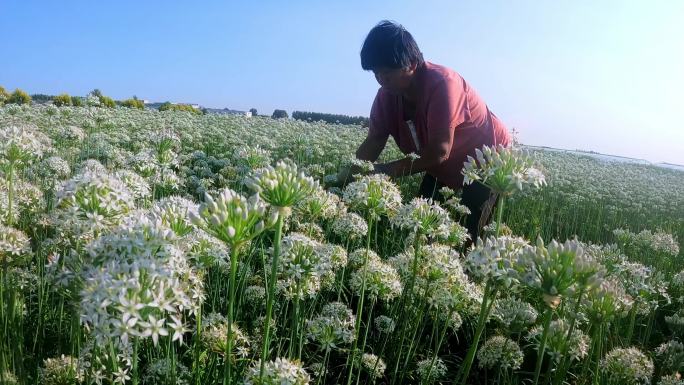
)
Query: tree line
[{"x": 330, "y": 118}]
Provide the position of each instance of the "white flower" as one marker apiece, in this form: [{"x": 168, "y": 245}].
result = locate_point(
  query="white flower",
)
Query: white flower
[
  {"x": 500, "y": 353},
  {"x": 279, "y": 372},
  {"x": 373, "y": 195},
  {"x": 627, "y": 366},
  {"x": 503, "y": 169}
]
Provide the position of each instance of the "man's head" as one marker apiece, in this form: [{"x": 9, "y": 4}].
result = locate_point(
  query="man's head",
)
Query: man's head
[{"x": 391, "y": 53}]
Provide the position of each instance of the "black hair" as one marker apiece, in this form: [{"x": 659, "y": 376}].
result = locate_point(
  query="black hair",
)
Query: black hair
[{"x": 389, "y": 45}]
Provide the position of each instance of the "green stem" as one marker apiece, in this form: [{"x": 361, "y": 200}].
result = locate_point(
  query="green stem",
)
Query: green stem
[
  {"x": 196, "y": 347},
  {"x": 271, "y": 293},
  {"x": 487, "y": 302},
  {"x": 135, "y": 361},
  {"x": 632, "y": 320},
  {"x": 565, "y": 360},
  {"x": 359, "y": 307},
  {"x": 499, "y": 215},
  {"x": 542, "y": 344},
  {"x": 10, "y": 193},
  {"x": 228, "y": 370}
]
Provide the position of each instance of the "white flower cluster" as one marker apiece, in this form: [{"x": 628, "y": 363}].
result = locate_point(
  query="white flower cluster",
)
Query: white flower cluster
[
  {"x": 423, "y": 217},
  {"x": 671, "y": 379},
  {"x": 91, "y": 202},
  {"x": 301, "y": 266},
  {"x": 350, "y": 226},
  {"x": 215, "y": 336},
  {"x": 251, "y": 157},
  {"x": 503, "y": 169},
  {"x": 671, "y": 356},
  {"x": 374, "y": 195},
  {"x": 320, "y": 204},
  {"x": 429, "y": 370},
  {"x": 21, "y": 144},
  {"x": 439, "y": 278},
  {"x": 231, "y": 217},
  {"x": 333, "y": 328},
  {"x": 627, "y": 366},
  {"x": 51, "y": 168},
  {"x": 136, "y": 184},
  {"x": 281, "y": 186},
  {"x": 514, "y": 314},
  {"x": 658, "y": 242},
  {"x": 279, "y": 372},
  {"x": 164, "y": 371},
  {"x": 138, "y": 284},
  {"x": 609, "y": 300},
  {"x": 500, "y": 353},
  {"x": 557, "y": 268},
  {"x": 577, "y": 346},
  {"x": 676, "y": 322},
  {"x": 374, "y": 365},
  {"x": 381, "y": 279},
  {"x": 61, "y": 370},
  {"x": 492, "y": 259},
  {"x": 384, "y": 324},
  {"x": 15, "y": 247}
]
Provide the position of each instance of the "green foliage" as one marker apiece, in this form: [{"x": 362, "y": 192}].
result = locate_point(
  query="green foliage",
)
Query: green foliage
[
  {"x": 330, "y": 118},
  {"x": 253, "y": 111},
  {"x": 179, "y": 107},
  {"x": 133, "y": 103},
  {"x": 19, "y": 97},
  {"x": 42, "y": 98},
  {"x": 62, "y": 100},
  {"x": 76, "y": 101},
  {"x": 279, "y": 114},
  {"x": 3, "y": 95},
  {"x": 106, "y": 101}
]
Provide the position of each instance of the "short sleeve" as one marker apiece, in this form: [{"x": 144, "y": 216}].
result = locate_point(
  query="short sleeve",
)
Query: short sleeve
[
  {"x": 447, "y": 109},
  {"x": 378, "y": 125}
]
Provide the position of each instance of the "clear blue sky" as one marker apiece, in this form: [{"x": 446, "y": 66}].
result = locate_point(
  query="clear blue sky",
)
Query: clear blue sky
[{"x": 595, "y": 75}]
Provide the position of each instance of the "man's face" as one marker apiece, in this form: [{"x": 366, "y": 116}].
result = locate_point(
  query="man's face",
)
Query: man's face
[{"x": 395, "y": 80}]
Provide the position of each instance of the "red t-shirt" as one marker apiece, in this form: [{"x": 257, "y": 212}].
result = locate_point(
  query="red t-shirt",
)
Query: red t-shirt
[{"x": 449, "y": 112}]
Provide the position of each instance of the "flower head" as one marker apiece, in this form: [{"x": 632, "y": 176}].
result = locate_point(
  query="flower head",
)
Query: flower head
[
  {"x": 281, "y": 371},
  {"x": 627, "y": 366},
  {"x": 503, "y": 169},
  {"x": 231, "y": 217},
  {"x": 374, "y": 195},
  {"x": 281, "y": 186},
  {"x": 500, "y": 353}
]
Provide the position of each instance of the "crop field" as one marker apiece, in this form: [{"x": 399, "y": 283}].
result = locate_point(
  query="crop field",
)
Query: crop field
[{"x": 147, "y": 247}]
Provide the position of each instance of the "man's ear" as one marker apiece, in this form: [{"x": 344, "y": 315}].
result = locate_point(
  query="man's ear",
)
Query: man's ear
[{"x": 412, "y": 68}]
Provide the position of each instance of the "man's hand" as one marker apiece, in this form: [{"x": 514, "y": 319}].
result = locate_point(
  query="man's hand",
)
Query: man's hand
[{"x": 344, "y": 176}]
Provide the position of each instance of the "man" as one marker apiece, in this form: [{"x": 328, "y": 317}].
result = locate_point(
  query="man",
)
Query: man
[{"x": 428, "y": 110}]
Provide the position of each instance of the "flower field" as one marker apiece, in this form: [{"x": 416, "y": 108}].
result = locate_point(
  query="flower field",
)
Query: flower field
[{"x": 146, "y": 247}]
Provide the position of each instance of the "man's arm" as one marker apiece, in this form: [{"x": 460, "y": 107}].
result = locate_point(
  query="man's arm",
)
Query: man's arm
[
  {"x": 371, "y": 148},
  {"x": 433, "y": 155}
]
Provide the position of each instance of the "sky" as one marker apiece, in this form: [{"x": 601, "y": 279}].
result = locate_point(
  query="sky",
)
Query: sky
[{"x": 590, "y": 75}]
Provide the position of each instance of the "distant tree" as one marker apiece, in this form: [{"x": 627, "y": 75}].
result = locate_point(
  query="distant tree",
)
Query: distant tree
[
  {"x": 165, "y": 106},
  {"x": 133, "y": 103},
  {"x": 76, "y": 101},
  {"x": 253, "y": 111},
  {"x": 3, "y": 95},
  {"x": 179, "y": 107},
  {"x": 41, "y": 98},
  {"x": 96, "y": 92},
  {"x": 19, "y": 97},
  {"x": 62, "y": 100},
  {"x": 106, "y": 101},
  {"x": 330, "y": 118},
  {"x": 279, "y": 114}
]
